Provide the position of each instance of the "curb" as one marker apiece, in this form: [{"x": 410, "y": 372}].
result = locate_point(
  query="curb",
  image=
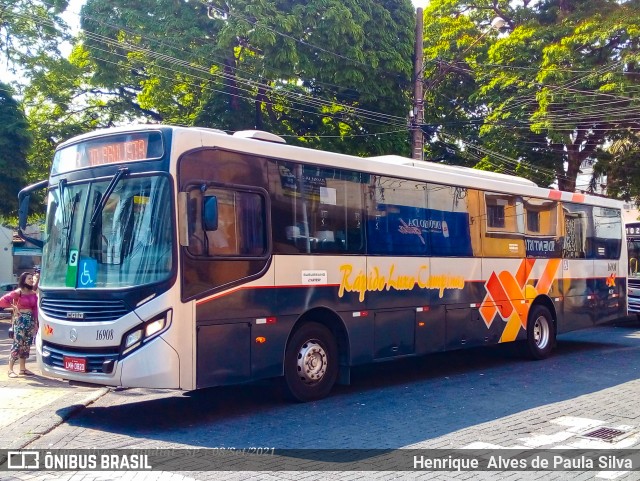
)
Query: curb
[
  {"x": 44, "y": 420},
  {"x": 67, "y": 412},
  {"x": 27, "y": 424}
]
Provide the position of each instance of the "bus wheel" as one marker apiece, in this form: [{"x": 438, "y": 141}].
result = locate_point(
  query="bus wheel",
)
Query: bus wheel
[
  {"x": 311, "y": 362},
  {"x": 541, "y": 333}
]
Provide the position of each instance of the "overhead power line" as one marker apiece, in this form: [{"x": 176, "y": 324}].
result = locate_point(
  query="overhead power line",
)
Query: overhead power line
[
  {"x": 307, "y": 100},
  {"x": 297, "y": 40},
  {"x": 507, "y": 161}
]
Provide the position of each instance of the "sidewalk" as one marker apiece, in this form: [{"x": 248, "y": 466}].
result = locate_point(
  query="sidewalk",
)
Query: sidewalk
[{"x": 33, "y": 406}]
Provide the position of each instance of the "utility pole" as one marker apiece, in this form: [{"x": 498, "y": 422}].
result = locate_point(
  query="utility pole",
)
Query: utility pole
[
  {"x": 417, "y": 119},
  {"x": 417, "y": 112}
]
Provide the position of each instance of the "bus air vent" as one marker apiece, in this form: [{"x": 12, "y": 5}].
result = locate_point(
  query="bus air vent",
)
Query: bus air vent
[
  {"x": 97, "y": 358},
  {"x": 260, "y": 135},
  {"x": 206, "y": 129}
]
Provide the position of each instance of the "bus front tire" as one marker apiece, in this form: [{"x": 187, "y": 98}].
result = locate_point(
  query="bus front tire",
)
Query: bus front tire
[
  {"x": 541, "y": 333},
  {"x": 311, "y": 363}
]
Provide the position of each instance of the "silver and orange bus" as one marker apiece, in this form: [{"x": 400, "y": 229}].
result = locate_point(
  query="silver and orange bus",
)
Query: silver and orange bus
[{"x": 186, "y": 258}]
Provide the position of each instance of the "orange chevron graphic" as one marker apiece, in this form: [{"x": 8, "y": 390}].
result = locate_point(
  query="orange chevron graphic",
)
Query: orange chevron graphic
[
  {"x": 611, "y": 280},
  {"x": 509, "y": 295},
  {"x": 525, "y": 267},
  {"x": 548, "y": 276}
]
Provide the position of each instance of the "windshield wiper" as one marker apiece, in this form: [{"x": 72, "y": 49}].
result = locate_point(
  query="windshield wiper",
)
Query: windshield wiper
[
  {"x": 62, "y": 189},
  {"x": 69, "y": 226},
  {"x": 105, "y": 197},
  {"x": 67, "y": 217}
]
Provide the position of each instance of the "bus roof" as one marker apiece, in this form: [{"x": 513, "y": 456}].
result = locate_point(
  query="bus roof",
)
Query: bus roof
[
  {"x": 437, "y": 167},
  {"x": 269, "y": 145}
]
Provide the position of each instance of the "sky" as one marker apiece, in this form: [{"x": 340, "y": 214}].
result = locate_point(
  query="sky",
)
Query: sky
[{"x": 72, "y": 13}]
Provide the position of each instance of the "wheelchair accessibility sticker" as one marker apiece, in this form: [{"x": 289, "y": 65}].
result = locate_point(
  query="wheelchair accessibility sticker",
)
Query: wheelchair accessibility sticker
[{"x": 87, "y": 273}]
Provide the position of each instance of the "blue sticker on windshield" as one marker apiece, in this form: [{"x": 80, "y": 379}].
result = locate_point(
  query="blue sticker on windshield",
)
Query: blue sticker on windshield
[{"x": 87, "y": 272}]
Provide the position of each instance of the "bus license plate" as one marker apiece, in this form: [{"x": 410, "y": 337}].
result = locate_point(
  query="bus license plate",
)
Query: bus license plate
[{"x": 76, "y": 364}]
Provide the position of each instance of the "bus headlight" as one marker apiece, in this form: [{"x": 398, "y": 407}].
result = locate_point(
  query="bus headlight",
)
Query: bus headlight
[
  {"x": 147, "y": 331},
  {"x": 154, "y": 326},
  {"x": 133, "y": 338}
]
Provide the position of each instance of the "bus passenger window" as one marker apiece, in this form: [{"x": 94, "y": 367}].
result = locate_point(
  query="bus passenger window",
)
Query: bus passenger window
[
  {"x": 503, "y": 230},
  {"x": 448, "y": 218},
  {"x": 240, "y": 224},
  {"x": 397, "y": 217},
  {"x": 317, "y": 210},
  {"x": 541, "y": 233},
  {"x": 607, "y": 233},
  {"x": 495, "y": 216},
  {"x": 578, "y": 231}
]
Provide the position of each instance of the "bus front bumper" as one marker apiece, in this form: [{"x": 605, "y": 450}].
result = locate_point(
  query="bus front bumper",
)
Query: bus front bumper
[{"x": 154, "y": 365}]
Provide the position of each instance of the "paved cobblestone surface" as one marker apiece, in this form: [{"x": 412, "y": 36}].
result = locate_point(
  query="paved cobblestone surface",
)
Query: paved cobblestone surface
[
  {"x": 31, "y": 406},
  {"x": 479, "y": 399}
]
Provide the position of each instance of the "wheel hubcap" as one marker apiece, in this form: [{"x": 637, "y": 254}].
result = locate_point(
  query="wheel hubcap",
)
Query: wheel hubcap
[
  {"x": 541, "y": 332},
  {"x": 312, "y": 362}
]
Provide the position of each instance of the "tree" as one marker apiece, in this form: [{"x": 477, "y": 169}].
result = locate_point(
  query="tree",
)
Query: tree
[
  {"x": 30, "y": 33},
  {"x": 63, "y": 102},
  {"x": 304, "y": 69},
  {"x": 620, "y": 163},
  {"x": 549, "y": 93},
  {"x": 14, "y": 144}
]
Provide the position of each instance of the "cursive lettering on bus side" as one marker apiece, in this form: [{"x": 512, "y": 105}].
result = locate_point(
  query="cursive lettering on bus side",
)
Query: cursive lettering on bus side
[{"x": 374, "y": 280}]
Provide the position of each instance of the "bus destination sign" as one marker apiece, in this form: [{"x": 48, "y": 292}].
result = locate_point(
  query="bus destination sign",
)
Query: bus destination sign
[
  {"x": 113, "y": 152},
  {"x": 113, "y": 149}
]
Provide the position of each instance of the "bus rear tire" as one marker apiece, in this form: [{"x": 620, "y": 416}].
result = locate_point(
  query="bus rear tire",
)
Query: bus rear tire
[
  {"x": 311, "y": 362},
  {"x": 541, "y": 333}
]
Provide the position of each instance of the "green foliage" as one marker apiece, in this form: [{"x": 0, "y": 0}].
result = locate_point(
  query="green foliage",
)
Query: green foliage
[
  {"x": 14, "y": 144},
  {"x": 554, "y": 89},
  {"x": 30, "y": 32},
  {"x": 549, "y": 92},
  {"x": 329, "y": 74},
  {"x": 620, "y": 162},
  {"x": 301, "y": 69}
]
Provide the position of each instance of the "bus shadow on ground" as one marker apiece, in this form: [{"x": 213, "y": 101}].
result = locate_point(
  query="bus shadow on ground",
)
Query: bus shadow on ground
[{"x": 387, "y": 405}]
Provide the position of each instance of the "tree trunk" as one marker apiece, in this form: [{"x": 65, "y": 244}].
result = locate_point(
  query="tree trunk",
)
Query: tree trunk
[{"x": 568, "y": 181}]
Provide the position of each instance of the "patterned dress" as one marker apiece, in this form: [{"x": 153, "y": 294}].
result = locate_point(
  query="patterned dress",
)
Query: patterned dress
[{"x": 25, "y": 323}]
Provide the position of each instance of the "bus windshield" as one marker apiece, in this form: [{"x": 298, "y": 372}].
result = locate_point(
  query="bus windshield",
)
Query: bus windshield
[{"x": 99, "y": 239}]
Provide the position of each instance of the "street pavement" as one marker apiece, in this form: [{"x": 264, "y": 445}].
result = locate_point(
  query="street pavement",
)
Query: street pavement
[
  {"x": 468, "y": 400},
  {"x": 31, "y": 406}
]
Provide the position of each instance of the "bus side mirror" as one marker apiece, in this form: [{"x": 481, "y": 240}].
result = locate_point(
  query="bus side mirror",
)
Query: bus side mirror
[
  {"x": 23, "y": 210},
  {"x": 210, "y": 213}
]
